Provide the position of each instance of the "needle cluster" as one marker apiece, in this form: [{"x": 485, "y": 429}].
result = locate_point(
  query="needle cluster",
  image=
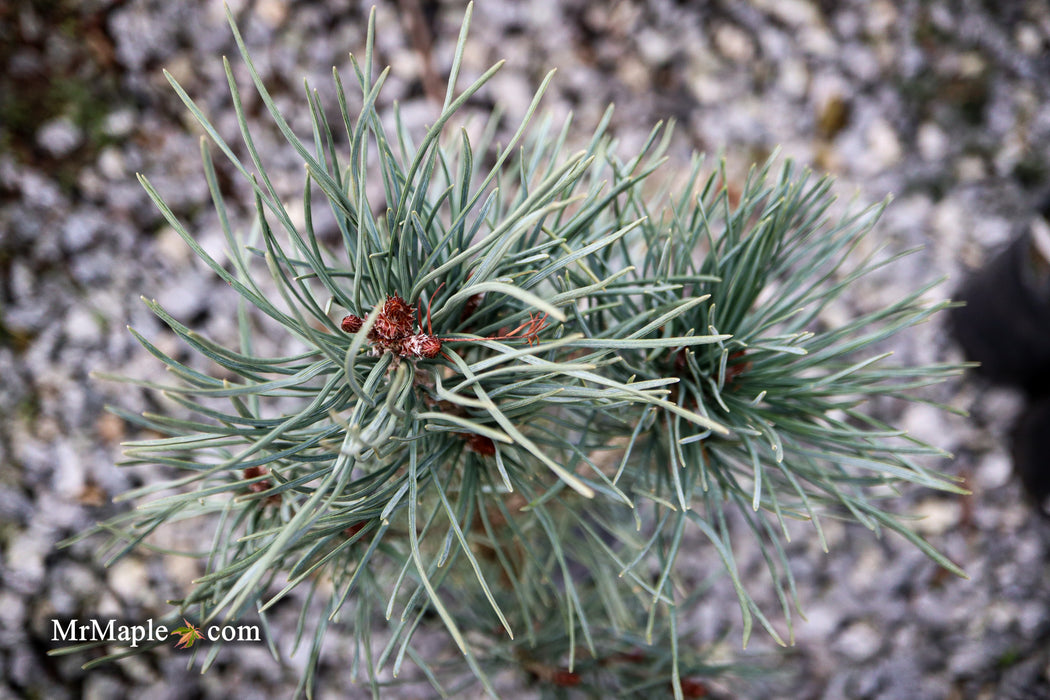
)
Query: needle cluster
[{"x": 614, "y": 370}]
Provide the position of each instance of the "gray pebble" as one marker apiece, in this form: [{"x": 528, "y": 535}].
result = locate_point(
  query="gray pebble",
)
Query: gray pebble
[
  {"x": 59, "y": 137},
  {"x": 81, "y": 229},
  {"x": 858, "y": 642}
]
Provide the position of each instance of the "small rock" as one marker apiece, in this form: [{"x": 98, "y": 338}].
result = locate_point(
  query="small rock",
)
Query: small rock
[
  {"x": 817, "y": 41},
  {"x": 514, "y": 90},
  {"x": 111, "y": 163},
  {"x": 129, "y": 578},
  {"x": 171, "y": 247},
  {"x": 183, "y": 69},
  {"x": 81, "y": 326},
  {"x": 81, "y": 229},
  {"x": 867, "y": 568},
  {"x": 734, "y": 43},
  {"x": 936, "y": 515},
  {"x": 882, "y": 15},
  {"x": 884, "y": 145},
  {"x": 862, "y": 64},
  {"x": 22, "y": 668},
  {"x": 708, "y": 89},
  {"x": 182, "y": 570},
  {"x": 821, "y": 620},
  {"x": 993, "y": 471},
  {"x": 59, "y": 137},
  {"x": 182, "y": 306},
  {"x": 98, "y": 686},
  {"x": 40, "y": 192},
  {"x": 655, "y": 47},
  {"x": 25, "y": 559},
  {"x": 15, "y": 507},
  {"x": 63, "y": 515},
  {"x": 119, "y": 124},
  {"x": 846, "y": 23},
  {"x": 793, "y": 77},
  {"x": 272, "y": 12},
  {"x": 859, "y": 642},
  {"x": 68, "y": 480},
  {"x": 109, "y": 606},
  {"x": 1028, "y": 39},
  {"x": 110, "y": 427},
  {"x": 971, "y": 64},
  {"x": 93, "y": 269},
  {"x": 932, "y": 142},
  {"x": 12, "y": 611},
  {"x": 1001, "y": 614},
  {"x": 926, "y": 423},
  {"x": 970, "y": 169},
  {"x": 21, "y": 280},
  {"x": 1032, "y": 618},
  {"x": 794, "y": 13}
]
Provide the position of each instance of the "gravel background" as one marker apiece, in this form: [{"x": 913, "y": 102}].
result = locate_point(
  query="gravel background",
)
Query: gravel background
[{"x": 944, "y": 104}]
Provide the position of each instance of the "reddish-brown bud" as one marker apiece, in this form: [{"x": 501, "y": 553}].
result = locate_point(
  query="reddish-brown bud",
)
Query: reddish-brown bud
[
  {"x": 395, "y": 319},
  {"x": 481, "y": 444},
  {"x": 351, "y": 324}
]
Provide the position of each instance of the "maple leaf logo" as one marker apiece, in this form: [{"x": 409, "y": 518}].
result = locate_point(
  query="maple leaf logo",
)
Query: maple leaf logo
[{"x": 187, "y": 635}]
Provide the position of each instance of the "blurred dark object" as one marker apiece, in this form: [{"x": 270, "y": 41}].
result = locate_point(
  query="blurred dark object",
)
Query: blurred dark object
[
  {"x": 1005, "y": 324},
  {"x": 1030, "y": 452}
]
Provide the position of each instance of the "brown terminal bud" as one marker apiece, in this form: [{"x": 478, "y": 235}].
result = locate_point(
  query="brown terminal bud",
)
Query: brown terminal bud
[
  {"x": 395, "y": 319},
  {"x": 351, "y": 324}
]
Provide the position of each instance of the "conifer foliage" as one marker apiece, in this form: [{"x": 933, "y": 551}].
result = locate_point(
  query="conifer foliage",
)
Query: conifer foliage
[{"x": 524, "y": 378}]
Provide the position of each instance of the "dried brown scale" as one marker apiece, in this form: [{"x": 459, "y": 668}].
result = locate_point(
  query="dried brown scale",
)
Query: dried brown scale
[
  {"x": 735, "y": 369},
  {"x": 680, "y": 363},
  {"x": 634, "y": 656},
  {"x": 564, "y": 677},
  {"x": 353, "y": 529},
  {"x": 256, "y": 486},
  {"x": 472, "y": 304},
  {"x": 420, "y": 345},
  {"x": 552, "y": 674},
  {"x": 260, "y": 486},
  {"x": 693, "y": 689}
]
